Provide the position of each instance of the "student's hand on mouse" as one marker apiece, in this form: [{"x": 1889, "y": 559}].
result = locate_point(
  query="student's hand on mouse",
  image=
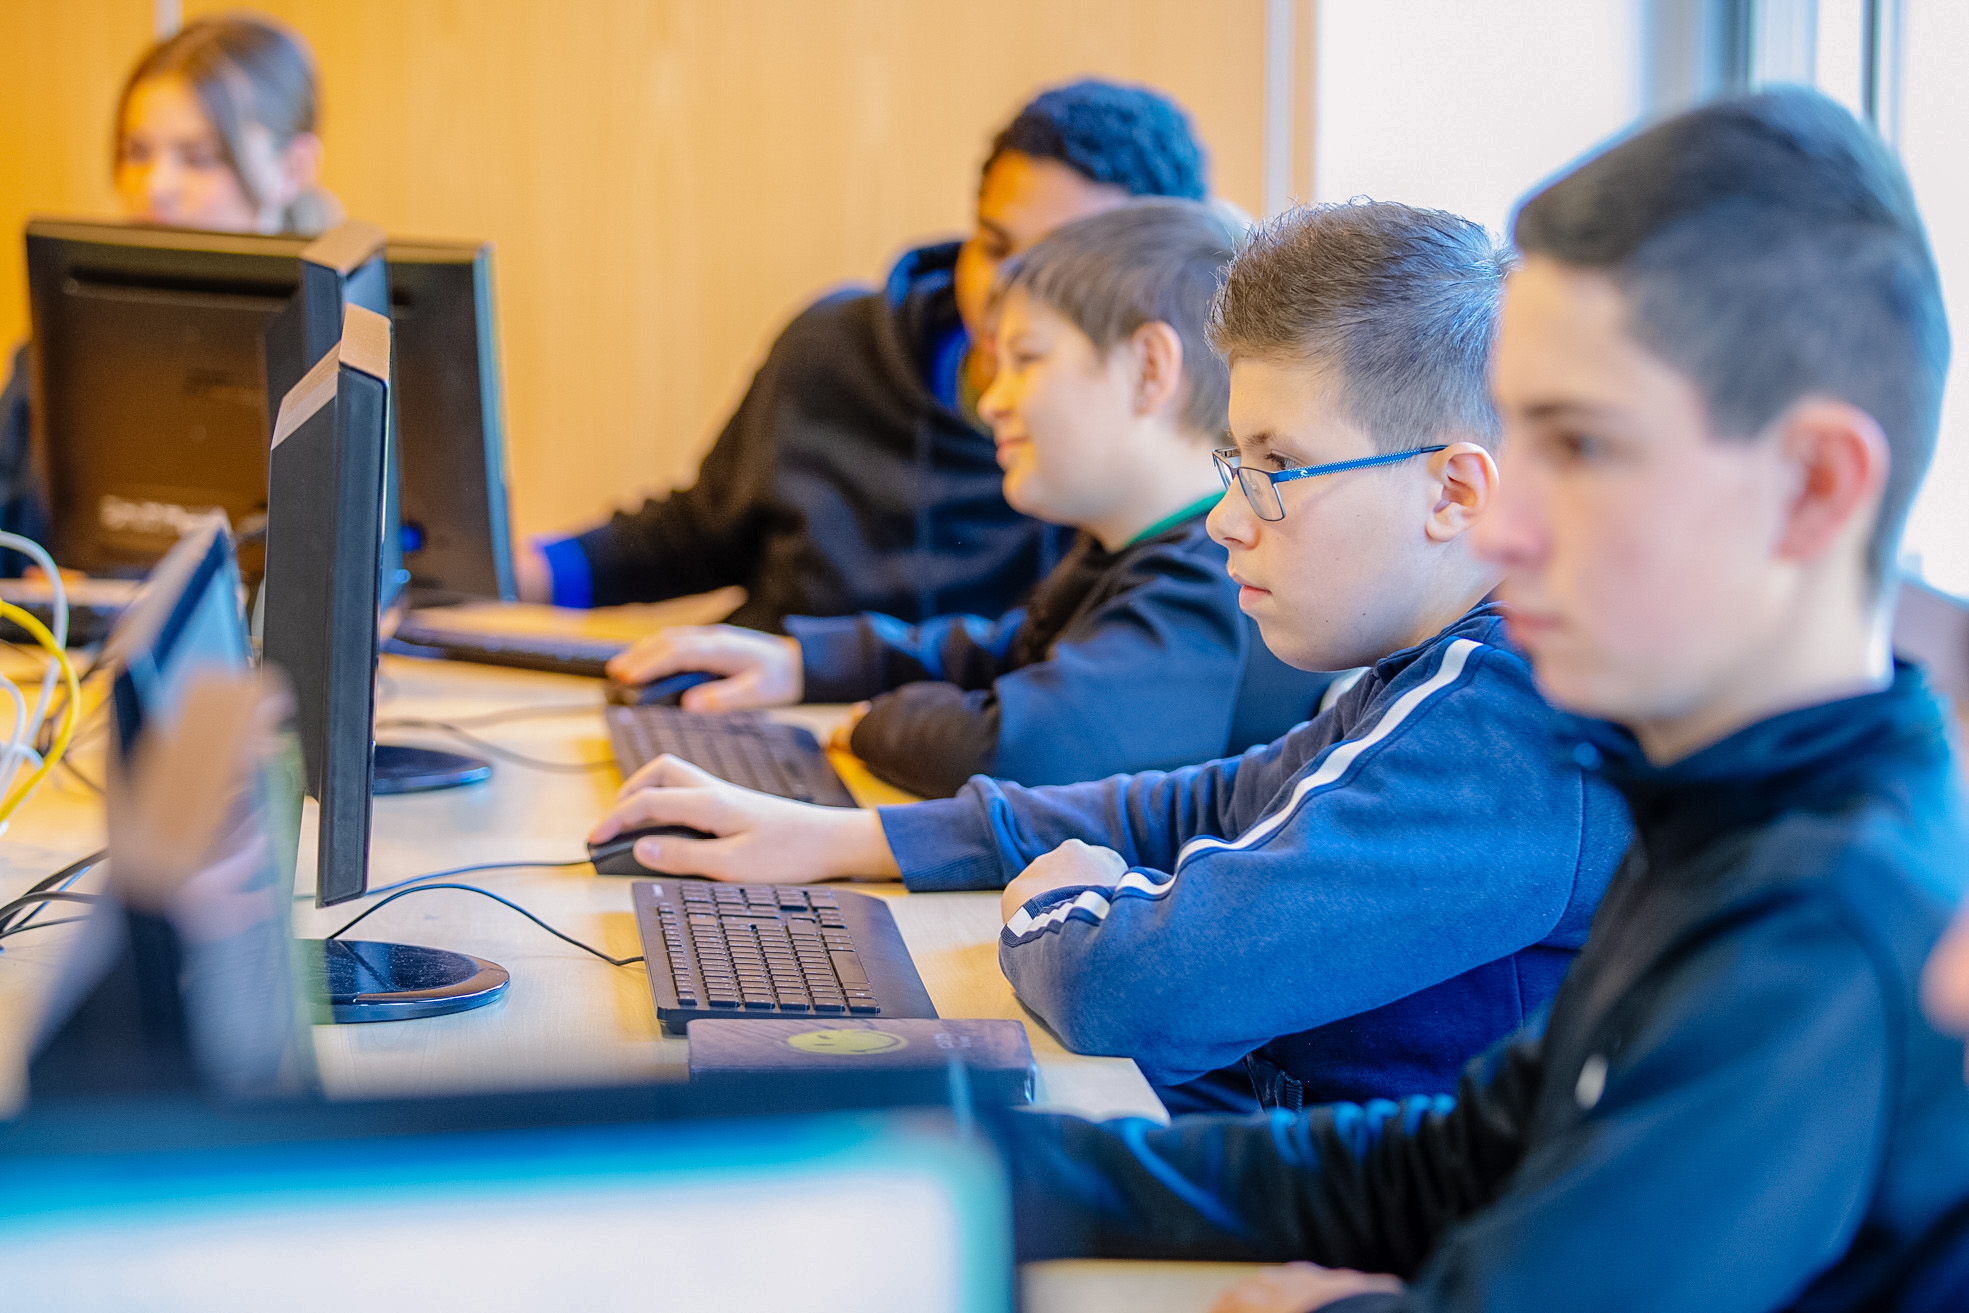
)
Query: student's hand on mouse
[
  {"x": 761, "y": 670},
  {"x": 1300, "y": 1288},
  {"x": 761, "y": 839},
  {"x": 1072, "y": 865}
]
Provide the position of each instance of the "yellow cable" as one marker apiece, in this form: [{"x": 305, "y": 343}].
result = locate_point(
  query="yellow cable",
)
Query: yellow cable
[{"x": 69, "y": 712}]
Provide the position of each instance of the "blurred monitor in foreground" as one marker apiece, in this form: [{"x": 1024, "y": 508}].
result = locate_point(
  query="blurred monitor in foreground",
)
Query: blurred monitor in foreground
[{"x": 727, "y": 1215}]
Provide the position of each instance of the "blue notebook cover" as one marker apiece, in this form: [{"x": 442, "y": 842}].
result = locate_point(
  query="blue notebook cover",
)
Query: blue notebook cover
[{"x": 996, "y": 1053}]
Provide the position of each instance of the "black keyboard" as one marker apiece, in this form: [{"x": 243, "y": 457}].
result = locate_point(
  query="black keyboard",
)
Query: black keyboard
[
  {"x": 561, "y": 653},
  {"x": 762, "y": 950},
  {"x": 741, "y": 746}
]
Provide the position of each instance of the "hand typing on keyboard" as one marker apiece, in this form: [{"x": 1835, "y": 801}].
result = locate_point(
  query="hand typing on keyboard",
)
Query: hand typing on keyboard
[
  {"x": 760, "y": 670},
  {"x": 761, "y": 839}
]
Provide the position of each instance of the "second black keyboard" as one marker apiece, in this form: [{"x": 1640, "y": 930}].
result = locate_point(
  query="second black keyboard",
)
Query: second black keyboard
[
  {"x": 741, "y": 746},
  {"x": 761, "y": 950}
]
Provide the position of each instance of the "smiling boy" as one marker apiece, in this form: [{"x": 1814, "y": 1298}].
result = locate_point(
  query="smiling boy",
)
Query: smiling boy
[
  {"x": 1356, "y": 908},
  {"x": 1720, "y": 372},
  {"x": 1131, "y": 654}
]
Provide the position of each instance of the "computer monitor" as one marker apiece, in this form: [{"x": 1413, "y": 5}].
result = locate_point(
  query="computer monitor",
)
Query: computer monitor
[
  {"x": 150, "y": 401},
  {"x": 320, "y": 626},
  {"x": 451, "y": 1204},
  {"x": 245, "y": 1024},
  {"x": 149, "y": 388},
  {"x": 186, "y": 621},
  {"x": 456, "y": 531},
  {"x": 343, "y": 268}
]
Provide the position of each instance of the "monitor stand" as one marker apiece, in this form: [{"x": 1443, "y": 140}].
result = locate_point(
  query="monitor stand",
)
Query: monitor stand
[
  {"x": 404, "y": 769},
  {"x": 356, "y": 980}
]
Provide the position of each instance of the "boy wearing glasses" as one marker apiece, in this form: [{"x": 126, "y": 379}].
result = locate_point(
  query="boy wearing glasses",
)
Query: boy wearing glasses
[
  {"x": 1131, "y": 654},
  {"x": 1355, "y": 909}
]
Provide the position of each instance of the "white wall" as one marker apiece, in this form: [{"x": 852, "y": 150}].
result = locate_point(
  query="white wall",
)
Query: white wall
[
  {"x": 1464, "y": 105},
  {"x": 1934, "y": 128}
]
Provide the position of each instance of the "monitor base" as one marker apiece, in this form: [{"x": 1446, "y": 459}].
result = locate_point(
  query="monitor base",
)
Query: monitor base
[
  {"x": 401, "y": 768},
  {"x": 358, "y": 980}
]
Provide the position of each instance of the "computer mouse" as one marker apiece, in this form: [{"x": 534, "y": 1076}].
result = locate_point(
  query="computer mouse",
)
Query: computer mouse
[
  {"x": 664, "y": 692},
  {"x": 617, "y": 856}
]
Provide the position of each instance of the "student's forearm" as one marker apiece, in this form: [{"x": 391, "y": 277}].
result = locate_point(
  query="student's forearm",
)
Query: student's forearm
[
  {"x": 854, "y": 846},
  {"x": 1345, "y": 1186}
]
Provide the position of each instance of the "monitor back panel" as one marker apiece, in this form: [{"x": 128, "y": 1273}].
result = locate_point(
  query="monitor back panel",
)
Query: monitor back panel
[
  {"x": 453, "y": 459},
  {"x": 149, "y": 388}
]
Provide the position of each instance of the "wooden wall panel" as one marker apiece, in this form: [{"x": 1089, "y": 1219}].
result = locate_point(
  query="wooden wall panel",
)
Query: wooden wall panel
[
  {"x": 61, "y": 65},
  {"x": 666, "y": 180}
]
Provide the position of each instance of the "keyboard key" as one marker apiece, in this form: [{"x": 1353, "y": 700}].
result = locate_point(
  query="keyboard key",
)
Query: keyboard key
[
  {"x": 848, "y": 967},
  {"x": 863, "y": 1005}
]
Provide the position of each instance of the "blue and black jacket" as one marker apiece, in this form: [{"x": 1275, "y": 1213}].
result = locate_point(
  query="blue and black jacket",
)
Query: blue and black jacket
[
  {"x": 1126, "y": 660},
  {"x": 847, "y": 480},
  {"x": 1735, "y": 1107},
  {"x": 1362, "y": 906}
]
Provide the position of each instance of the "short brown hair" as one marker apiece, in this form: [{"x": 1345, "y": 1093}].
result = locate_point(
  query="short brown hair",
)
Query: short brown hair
[
  {"x": 1399, "y": 304},
  {"x": 1150, "y": 261}
]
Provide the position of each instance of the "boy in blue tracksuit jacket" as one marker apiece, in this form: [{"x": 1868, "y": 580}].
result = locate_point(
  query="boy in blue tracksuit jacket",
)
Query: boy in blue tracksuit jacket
[
  {"x": 1720, "y": 372},
  {"x": 1263, "y": 892},
  {"x": 1370, "y": 900},
  {"x": 1131, "y": 654}
]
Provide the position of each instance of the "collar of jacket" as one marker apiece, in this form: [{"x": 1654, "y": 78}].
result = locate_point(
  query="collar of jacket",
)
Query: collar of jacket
[
  {"x": 1812, "y": 756},
  {"x": 920, "y": 297},
  {"x": 1481, "y": 622}
]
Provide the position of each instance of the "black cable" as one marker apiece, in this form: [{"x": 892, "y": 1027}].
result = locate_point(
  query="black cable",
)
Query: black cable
[
  {"x": 52, "y": 896},
  {"x": 486, "y": 893},
  {"x": 462, "y": 870},
  {"x": 480, "y": 720},
  {"x": 517, "y": 758},
  {"x": 67, "y": 875},
  {"x": 24, "y": 927}
]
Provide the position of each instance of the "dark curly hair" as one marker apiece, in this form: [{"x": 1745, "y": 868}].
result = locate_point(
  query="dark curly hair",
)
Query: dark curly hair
[{"x": 1129, "y": 137}]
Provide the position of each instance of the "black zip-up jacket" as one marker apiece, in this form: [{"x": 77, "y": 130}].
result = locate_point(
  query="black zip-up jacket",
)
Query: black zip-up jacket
[
  {"x": 841, "y": 483},
  {"x": 1124, "y": 661},
  {"x": 1736, "y": 1104}
]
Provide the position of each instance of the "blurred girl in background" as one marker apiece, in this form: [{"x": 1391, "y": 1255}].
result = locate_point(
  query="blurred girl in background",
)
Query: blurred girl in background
[{"x": 216, "y": 128}]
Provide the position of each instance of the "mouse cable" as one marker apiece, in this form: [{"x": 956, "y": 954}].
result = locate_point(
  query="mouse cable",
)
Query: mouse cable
[
  {"x": 486, "y": 893},
  {"x": 528, "y": 711},
  {"x": 61, "y": 879},
  {"x": 24, "y": 927},
  {"x": 494, "y": 749},
  {"x": 47, "y": 896},
  {"x": 463, "y": 870}
]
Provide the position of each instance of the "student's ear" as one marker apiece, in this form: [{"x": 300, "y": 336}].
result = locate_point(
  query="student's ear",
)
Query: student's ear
[
  {"x": 1157, "y": 354},
  {"x": 1837, "y": 458},
  {"x": 1465, "y": 479}
]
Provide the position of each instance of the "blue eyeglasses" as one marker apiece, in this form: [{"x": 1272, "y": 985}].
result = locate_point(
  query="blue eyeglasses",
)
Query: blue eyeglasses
[{"x": 1261, "y": 486}]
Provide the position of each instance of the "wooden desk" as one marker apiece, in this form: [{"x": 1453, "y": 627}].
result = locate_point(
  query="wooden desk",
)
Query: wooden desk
[{"x": 568, "y": 1019}]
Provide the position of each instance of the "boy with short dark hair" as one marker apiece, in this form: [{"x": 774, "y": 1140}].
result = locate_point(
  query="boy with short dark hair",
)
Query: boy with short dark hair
[
  {"x": 1357, "y": 908},
  {"x": 1720, "y": 372},
  {"x": 1131, "y": 654}
]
